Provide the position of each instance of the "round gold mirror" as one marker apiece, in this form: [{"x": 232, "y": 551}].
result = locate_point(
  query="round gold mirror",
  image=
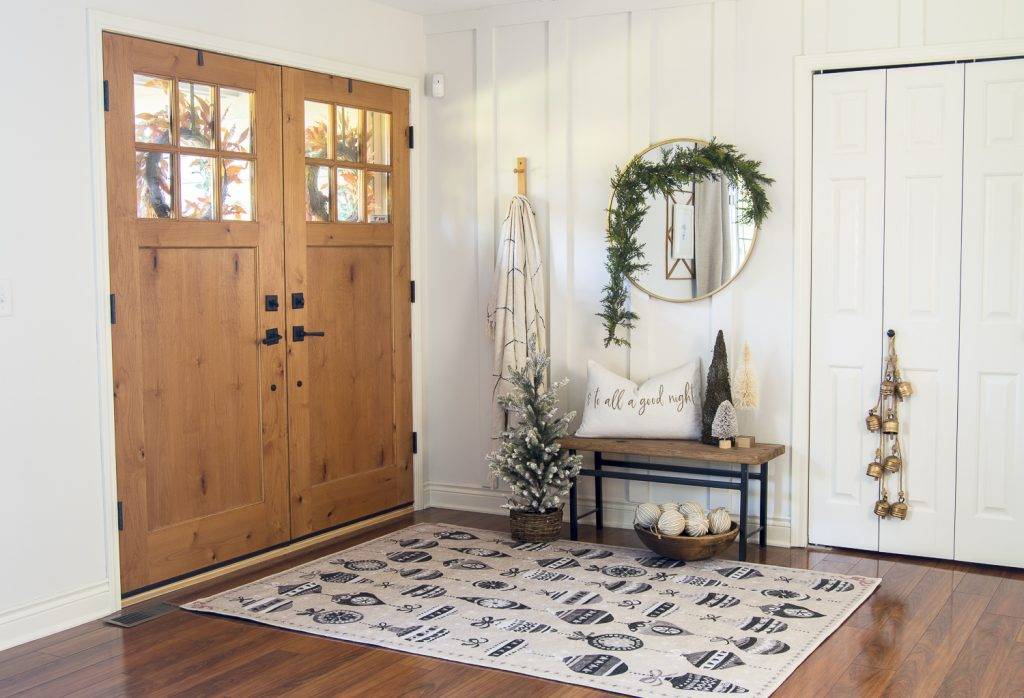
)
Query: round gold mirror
[{"x": 695, "y": 237}]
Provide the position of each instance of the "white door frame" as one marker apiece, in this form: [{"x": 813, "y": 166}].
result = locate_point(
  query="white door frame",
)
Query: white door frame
[
  {"x": 99, "y": 22},
  {"x": 804, "y": 68}
]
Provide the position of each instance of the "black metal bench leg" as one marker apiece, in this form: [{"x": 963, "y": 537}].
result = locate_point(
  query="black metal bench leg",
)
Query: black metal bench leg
[
  {"x": 763, "y": 510},
  {"x": 744, "y": 495},
  {"x": 598, "y": 497},
  {"x": 574, "y": 533}
]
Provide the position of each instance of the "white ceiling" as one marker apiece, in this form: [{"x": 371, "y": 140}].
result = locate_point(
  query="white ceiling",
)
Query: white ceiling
[{"x": 436, "y": 7}]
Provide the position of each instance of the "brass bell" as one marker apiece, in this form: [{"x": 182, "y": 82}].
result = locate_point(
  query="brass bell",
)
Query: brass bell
[
  {"x": 892, "y": 464},
  {"x": 873, "y": 422},
  {"x": 904, "y": 389},
  {"x": 882, "y": 507},
  {"x": 875, "y": 469},
  {"x": 899, "y": 509},
  {"x": 888, "y": 387},
  {"x": 891, "y": 425}
]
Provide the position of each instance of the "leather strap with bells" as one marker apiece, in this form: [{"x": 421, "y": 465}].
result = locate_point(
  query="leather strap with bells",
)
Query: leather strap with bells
[{"x": 891, "y": 392}]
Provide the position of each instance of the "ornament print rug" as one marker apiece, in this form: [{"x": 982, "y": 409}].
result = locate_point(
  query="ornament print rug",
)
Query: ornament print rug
[{"x": 617, "y": 619}]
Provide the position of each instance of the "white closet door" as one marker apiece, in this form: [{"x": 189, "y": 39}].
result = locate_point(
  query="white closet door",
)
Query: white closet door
[
  {"x": 990, "y": 453},
  {"x": 846, "y": 347},
  {"x": 924, "y": 147}
]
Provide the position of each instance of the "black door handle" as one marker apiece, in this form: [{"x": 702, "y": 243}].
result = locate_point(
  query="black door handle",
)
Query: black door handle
[
  {"x": 299, "y": 333},
  {"x": 272, "y": 337}
]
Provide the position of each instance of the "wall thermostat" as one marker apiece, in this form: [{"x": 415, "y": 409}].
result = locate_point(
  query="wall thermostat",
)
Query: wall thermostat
[{"x": 435, "y": 85}]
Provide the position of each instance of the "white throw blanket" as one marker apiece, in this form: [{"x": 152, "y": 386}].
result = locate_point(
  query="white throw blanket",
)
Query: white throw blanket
[{"x": 516, "y": 310}]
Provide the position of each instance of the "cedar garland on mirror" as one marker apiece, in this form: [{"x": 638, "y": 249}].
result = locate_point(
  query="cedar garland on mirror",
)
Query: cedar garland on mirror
[{"x": 678, "y": 166}]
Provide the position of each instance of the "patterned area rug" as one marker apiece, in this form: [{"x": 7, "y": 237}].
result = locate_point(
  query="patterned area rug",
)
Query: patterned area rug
[{"x": 617, "y": 619}]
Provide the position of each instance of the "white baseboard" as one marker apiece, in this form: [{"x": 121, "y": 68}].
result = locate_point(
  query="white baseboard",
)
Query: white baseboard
[
  {"x": 38, "y": 619},
  {"x": 617, "y": 514}
]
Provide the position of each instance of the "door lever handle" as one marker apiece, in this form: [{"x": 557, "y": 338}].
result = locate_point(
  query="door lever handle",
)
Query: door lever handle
[
  {"x": 299, "y": 333},
  {"x": 271, "y": 337}
]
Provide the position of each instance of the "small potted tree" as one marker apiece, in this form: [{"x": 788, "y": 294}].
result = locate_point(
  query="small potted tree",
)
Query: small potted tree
[{"x": 529, "y": 457}]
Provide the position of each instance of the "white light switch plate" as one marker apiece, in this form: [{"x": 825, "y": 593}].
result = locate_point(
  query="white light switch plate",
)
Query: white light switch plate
[{"x": 6, "y": 302}]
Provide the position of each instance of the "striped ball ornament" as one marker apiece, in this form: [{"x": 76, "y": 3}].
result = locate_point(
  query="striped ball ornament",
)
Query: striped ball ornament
[
  {"x": 646, "y": 515},
  {"x": 696, "y": 525},
  {"x": 671, "y": 523},
  {"x": 691, "y": 509},
  {"x": 670, "y": 506},
  {"x": 719, "y": 520}
]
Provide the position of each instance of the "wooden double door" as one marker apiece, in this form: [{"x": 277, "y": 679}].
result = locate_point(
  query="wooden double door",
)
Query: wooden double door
[{"x": 259, "y": 270}]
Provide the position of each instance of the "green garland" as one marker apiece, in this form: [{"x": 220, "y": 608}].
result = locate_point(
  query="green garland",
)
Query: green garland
[{"x": 679, "y": 166}]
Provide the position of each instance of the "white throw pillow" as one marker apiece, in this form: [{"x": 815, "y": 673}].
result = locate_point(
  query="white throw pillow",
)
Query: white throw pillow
[{"x": 666, "y": 406}]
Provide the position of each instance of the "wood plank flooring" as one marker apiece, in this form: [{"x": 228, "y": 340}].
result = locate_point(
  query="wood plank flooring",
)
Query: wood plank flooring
[{"x": 933, "y": 628}]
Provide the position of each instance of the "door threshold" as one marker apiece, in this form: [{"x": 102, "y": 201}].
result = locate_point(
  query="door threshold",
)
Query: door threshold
[{"x": 265, "y": 556}]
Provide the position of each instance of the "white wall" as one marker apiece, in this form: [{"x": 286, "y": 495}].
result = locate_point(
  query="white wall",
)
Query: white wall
[
  {"x": 52, "y": 516},
  {"x": 578, "y": 87}
]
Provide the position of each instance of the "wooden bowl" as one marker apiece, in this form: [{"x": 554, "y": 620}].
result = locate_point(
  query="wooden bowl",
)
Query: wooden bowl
[{"x": 688, "y": 547}]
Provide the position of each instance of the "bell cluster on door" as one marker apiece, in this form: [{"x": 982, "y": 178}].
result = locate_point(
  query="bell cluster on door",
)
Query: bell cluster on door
[{"x": 884, "y": 419}]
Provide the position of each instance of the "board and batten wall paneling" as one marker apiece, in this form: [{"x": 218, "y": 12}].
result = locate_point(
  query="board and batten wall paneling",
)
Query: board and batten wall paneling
[{"x": 578, "y": 93}]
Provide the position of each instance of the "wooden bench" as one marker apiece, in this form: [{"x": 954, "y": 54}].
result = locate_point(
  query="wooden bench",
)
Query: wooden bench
[{"x": 698, "y": 476}]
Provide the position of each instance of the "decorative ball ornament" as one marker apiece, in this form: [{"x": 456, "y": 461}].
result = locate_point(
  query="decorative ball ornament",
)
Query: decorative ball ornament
[
  {"x": 670, "y": 506},
  {"x": 873, "y": 422},
  {"x": 671, "y": 523},
  {"x": 719, "y": 520},
  {"x": 646, "y": 515},
  {"x": 697, "y": 525},
  {"x": 691, "y": 509}
]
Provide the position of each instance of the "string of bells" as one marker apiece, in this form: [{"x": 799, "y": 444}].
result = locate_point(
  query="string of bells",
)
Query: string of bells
[{"x": 884, "y": 419}]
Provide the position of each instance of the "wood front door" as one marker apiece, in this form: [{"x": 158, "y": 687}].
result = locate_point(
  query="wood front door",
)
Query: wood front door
[
  {"x": 196, "y": 248},
  {"x": 346, "y": 183}
]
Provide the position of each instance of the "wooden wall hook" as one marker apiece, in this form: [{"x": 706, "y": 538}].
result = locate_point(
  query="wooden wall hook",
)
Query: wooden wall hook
[{"x": 520, "y": 171}]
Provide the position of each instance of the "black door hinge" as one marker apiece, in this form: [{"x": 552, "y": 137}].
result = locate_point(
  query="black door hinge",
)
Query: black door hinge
[
  {"x": 106, "y": 95},
  {"x": 415, "y": 443},
  {"x": 120, "y": 516},
  {"x": 412, "y": 291},
  {"x": 113, "y": 309},
  {"x": 411, "y": 139}
]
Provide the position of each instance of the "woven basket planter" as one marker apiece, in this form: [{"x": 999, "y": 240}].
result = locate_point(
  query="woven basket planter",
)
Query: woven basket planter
[{"x": 531, "y": 527}]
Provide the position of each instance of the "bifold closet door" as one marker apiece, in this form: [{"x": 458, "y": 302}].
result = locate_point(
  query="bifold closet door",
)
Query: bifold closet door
[
  {"x": 846, "y": 310},
  {"x": 990, "y": 453},
  {"x": 346, "y": 183},
  {"x": 195, "y": 227},
  {"x": 921, "y": 295}
]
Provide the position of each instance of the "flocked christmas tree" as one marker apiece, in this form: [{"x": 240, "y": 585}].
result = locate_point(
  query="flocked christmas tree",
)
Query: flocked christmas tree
[
  {"x": 748, "y": 393},
  {"x": 718, "y": 390},
  {"x": 529, "y": 457},
  {"x": 725, "y": 425}
]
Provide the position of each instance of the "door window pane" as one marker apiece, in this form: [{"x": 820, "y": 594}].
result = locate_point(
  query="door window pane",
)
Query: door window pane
[
  {"x": 318, "y": 193},
  {"x": 235, "y": 120},
  {"x": 350, "y": 195},
  {"x": 152, "y": 109},
  {"x": 153, "y": 190},
  {"x": 378, "y": 197},
  {"x": 318, "y": 120},
  {"x": 349, "y": 133},
  {"x": 236, "y": 190},
  {"x": 197, "y": 187},
  {"x": 378, "y": 138},
  {"x": 195, "y": 115}
]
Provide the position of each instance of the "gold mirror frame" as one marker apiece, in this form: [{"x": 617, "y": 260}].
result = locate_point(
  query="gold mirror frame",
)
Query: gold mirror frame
[{"x": 636, "y": 284}]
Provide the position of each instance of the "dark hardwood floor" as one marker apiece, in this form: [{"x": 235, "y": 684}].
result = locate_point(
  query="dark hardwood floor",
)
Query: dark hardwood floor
[{"x": 933, "y": 628}]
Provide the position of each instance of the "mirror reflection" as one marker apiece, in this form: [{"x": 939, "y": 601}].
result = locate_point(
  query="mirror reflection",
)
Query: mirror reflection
[{"x": 694, "y": 239}]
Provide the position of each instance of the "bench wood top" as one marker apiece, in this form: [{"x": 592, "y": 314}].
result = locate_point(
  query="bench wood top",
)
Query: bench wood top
[{"x": 676, "y": 448}]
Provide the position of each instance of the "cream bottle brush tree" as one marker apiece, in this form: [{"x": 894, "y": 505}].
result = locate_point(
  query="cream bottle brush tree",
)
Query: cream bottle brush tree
[{"x": 748, "y": 392}]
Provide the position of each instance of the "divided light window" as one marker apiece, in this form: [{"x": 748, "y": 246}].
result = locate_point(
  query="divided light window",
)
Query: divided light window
[
  {"x": 194, "y": 157},
  {"x": 348, "y": 164}
]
